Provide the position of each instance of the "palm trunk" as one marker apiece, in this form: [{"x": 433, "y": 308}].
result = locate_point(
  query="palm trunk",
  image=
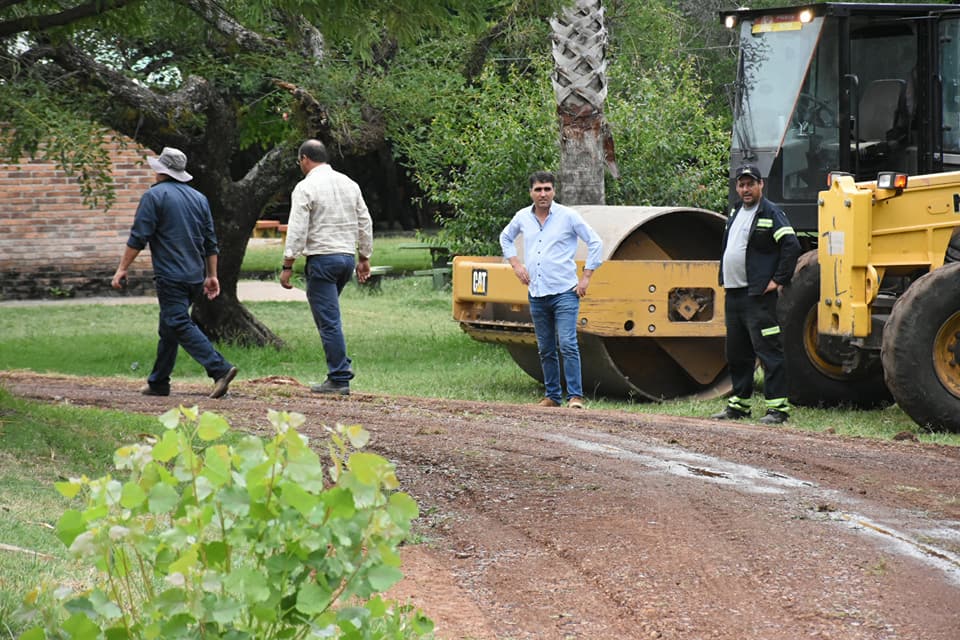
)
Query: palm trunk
[{"x": 580, "y": 86}]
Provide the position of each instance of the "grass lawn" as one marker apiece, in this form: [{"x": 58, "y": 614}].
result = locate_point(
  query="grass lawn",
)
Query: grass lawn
[{"x": 265, "y": 256}]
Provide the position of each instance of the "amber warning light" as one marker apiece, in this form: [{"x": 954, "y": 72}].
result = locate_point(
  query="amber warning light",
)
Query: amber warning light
[{"x": 891, "y": 180}]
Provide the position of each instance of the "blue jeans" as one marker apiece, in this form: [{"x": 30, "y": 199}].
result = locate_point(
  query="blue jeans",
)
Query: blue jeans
[
  {"x": 555, "y": 320},
  {"x": 177, "y": 329},
  {"x": 327, "y": 275}
]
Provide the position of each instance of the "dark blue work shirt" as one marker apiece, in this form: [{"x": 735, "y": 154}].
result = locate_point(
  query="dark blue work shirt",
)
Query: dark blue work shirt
[{"x": 175, "y": 220}]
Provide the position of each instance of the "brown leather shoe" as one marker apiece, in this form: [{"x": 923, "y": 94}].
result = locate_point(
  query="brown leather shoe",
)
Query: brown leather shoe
[
  {"x": 222, "y": 384},
  {"x": 547, "y": 402},
  {"x": 575, "y": 403}
]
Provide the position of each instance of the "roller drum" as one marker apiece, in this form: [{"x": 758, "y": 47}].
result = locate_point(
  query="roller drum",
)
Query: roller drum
[{"x": 643, "y": 367}]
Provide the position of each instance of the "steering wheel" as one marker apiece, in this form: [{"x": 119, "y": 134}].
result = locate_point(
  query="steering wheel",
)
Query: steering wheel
[{"x": 813, "y": 111}]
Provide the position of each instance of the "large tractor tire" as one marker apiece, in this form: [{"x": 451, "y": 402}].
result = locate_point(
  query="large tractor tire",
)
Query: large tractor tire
[
  {"x": 921, "y": 350},
  {"x": 816, "y": 378}
]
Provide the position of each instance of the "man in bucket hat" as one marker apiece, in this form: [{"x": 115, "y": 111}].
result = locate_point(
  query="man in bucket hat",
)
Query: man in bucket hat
[{"x": 175, "y": 220}]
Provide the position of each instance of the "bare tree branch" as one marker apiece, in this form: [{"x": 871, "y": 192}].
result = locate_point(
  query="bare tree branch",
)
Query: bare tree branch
[
  {"x": 39, "y": 23},
  {"x": 223, "y": 22}
]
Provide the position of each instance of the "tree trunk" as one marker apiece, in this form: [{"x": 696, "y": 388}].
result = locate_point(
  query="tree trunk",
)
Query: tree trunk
[{"x": 580, "y": 86}]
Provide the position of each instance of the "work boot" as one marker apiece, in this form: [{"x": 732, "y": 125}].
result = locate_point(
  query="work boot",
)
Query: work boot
[
  {"x": 774, "y": 417},
  {"x": 731, "y": 413},
  {"x": 575, "y": 402},
  {"x": 147, "y": 390},
  {"x": 330, "y": 387},
  {"x": 222, "y": 383},
  {"x": 548, "y": 402}
]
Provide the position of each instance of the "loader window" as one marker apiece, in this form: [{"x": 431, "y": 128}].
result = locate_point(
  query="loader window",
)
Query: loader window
[
  {"x": 950, "y": 74},
  {"x": 811, "y": 144},
  {"x": 773, "y": 65}
]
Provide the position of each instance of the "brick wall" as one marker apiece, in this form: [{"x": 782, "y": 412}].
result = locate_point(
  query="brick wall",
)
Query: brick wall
[{"x": 52, "y": 245}]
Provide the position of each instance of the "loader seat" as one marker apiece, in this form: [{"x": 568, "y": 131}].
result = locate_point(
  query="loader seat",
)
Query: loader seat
[{"x": 882, "y": 120}]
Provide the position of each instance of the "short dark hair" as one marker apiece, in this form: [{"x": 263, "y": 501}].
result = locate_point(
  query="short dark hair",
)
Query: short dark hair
[
  {"x": 314, "y": 150},
  {"x": 542, "y": 176}
]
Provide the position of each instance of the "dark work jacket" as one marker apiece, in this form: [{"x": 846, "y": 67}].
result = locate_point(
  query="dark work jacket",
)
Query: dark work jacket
[{"x": 772, "y": 249}]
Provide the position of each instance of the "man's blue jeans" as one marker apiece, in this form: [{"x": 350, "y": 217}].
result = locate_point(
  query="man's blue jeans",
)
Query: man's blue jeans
[
  {"x": 327, "y": 275},
  {"x": 177, "y": 329},
  {"x": 555, "y": 321}
]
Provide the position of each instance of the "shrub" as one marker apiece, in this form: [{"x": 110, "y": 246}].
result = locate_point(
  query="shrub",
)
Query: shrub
[{"x": 219, "y": 535}]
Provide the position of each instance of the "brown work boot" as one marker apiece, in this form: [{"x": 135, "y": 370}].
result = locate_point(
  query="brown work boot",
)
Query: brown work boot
[
  {"x": 575, "y": 402},
  {"x": 548, "y": 402},
  {"x": 222, "y": 383}
]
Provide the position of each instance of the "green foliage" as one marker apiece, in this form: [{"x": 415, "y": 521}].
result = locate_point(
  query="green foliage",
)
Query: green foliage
[
  {"x": 76, "y": 147},
  {"x": 670, "y": 150},
  {"x": 476, "y": 155},
  {"x": 207, "y": 533}
]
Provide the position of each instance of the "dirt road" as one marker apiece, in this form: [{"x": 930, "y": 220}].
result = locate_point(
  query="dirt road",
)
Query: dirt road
[{"x": 554, "y": 523}]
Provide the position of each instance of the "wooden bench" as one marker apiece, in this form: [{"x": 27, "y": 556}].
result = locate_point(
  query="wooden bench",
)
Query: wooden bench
[
  {"x": 442, "y": 276},
  {"x": 439, "y": 256},
  {"x": 374, "y": 282},
  {"x": 266, "y": 229}
]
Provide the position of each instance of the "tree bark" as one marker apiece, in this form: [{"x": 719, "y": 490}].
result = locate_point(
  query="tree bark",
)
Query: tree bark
[{"x": 580, "y": 87}]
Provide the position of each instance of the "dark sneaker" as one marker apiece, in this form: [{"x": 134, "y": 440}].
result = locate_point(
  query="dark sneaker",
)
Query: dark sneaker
[
  {"x": 774, "y": 417},
  {"x": 331, "y": 387},
  {"x": 147, "y": 390},
  {"x": 731, "y": 413},
  {"x": 548, "y": 402},
  {"x": 222, "y": 384}
]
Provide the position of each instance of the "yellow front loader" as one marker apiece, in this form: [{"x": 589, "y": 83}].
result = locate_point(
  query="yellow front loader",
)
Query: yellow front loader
[{"x": 874, "y": 312}]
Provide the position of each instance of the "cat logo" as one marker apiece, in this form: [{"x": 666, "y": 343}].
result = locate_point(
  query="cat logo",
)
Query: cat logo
[{"x": 479, "y": 282}]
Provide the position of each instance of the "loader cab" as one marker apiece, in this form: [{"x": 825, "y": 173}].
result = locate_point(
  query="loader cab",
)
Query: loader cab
[{"x": 857, "y": 88}]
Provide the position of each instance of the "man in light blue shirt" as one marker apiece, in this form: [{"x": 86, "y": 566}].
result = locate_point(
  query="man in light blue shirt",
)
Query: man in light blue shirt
[{"x": 550, "y": 233}]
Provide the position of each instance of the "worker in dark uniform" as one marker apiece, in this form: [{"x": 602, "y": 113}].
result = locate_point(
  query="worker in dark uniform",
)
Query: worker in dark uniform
[{"x": 759, "y": 252}]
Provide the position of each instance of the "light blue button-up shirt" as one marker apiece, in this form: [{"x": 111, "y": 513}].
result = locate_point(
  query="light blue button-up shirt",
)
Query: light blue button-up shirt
[{"x": 548, "y": 250}]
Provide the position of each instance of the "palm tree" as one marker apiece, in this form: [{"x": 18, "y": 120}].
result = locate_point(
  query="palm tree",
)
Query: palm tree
[{"x": 580, "y": 86}]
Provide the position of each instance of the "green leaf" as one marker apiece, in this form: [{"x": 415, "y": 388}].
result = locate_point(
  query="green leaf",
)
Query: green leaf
[
  {"x": 163, "y": 499},
  {"x": 248, "y": 584},
  {"x": 132, "y": 495},
  {"x": 226, "y": 610},
  {"x": 312, "y": 599},
  {"x": 235, "y": 502},
  {"x": 70, "y": 525},
  {"x": 339, "y": 503},
  {"x": 34, "y": 633},
  {"x": 367, "y": 467},
  {"x": 294, "y": 496},
  {"x": 215, "y": 553},
  {"x": 382, "y": 578},
  {"x": 402, "y": 507},
  {"x": 80, "y": 627},
  {"x": 358, "y": 436},
  {"x": 216, "y": 465},
  {"x": 190, "y": 413},
  {"x": 168, "y": 447},
  {"x": 212, "y": 426},
  {"x": 186, "y": 562},
  {"x": 170, "y": 419},
  {"x": 68, "y": 489}
]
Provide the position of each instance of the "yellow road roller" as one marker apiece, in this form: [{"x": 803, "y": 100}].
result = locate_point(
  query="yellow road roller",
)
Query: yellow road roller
[{"x": 651, "y": 325}]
